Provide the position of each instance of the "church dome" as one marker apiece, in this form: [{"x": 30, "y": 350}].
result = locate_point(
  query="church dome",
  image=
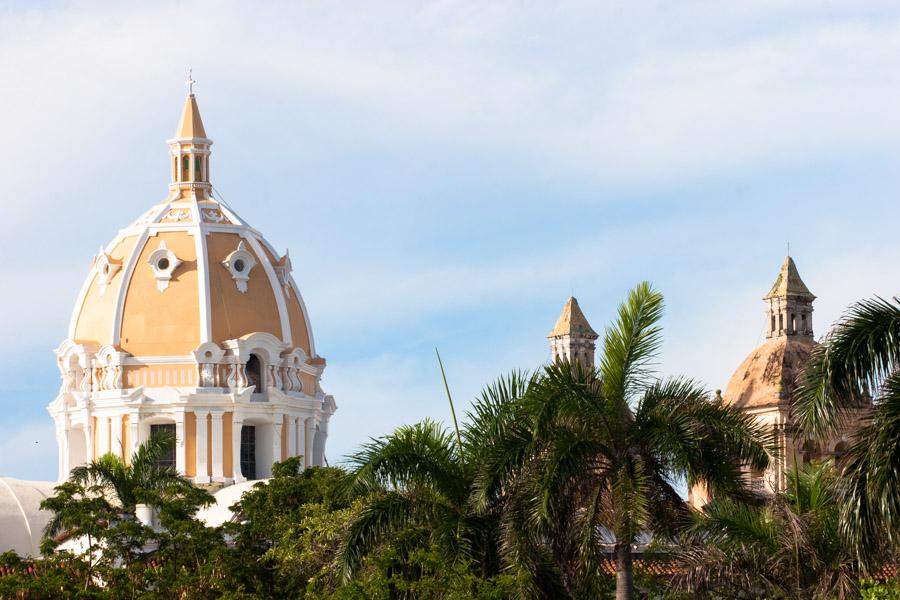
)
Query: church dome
[
  {"x": 768, "y": 376},
  {"x": 189, "y": 271},
  {"x": 190, "y": 324},
  {"x": 21, "y": 519}
]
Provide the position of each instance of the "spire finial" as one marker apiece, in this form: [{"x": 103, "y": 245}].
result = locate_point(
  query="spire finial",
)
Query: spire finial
[{"x": 190, "y": 81}]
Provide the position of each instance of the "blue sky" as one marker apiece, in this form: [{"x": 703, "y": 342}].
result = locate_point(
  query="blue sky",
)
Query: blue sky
[{"x": 446, "y": 174}]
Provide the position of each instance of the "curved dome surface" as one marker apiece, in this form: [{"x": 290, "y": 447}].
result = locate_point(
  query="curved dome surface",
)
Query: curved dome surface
[
  {"x": 768, "y": 376},
  {"x": 22, "y": 521},
  {"x": 187, "y": 272}
]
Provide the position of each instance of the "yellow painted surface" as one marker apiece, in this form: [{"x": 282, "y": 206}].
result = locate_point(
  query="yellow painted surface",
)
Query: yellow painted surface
[
  {"x": 299, "y": 333},
  {"x": 209, "y": 437},
  {"x": 309, "y": 383},
  {"x": 190, "y": 444},
  {"x": 227, "y": 459},
  {"x": 126, "y": 438},
  {"x": 95, "y": 320},
  {"x": 163, "y": 323},
  {"x": 284, "y": 437},
  {"x": 235, "y": 314}
]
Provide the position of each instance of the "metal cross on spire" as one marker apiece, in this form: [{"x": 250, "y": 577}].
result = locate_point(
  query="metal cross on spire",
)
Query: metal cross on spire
[{"x": 190, "y": 81}]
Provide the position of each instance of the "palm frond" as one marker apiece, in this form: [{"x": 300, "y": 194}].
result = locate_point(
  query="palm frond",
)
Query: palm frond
[
  {"x": 424, "y": 453},
  {"x": 850, "y": 366},
  {"x": 631, "y": 344}
]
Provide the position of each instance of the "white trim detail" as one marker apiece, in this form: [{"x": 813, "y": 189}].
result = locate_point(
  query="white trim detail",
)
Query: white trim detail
[
  {"x": 277, "y": 290},
  {"x": 126, "y": 283},
  {"x": 163, "y": 262},
  {"x": 203, "y": 285},
  {"x": 239, "y": 263}
]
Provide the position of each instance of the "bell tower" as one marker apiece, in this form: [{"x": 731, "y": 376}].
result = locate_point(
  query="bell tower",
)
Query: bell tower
[
  {"x": 789, "y": 305},
  {"x": 189, "y": 153},
  {"x": 572, "y": 339}
]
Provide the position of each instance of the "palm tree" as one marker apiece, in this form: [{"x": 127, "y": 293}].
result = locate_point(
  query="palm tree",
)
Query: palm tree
[
  {"x": 141, "y": 480},
  {"x": 857, "y": 363},
  {"x": 589, "y": 458},
  {"x": 418, "y": 480},
  {"x": 788, "y": 547}
]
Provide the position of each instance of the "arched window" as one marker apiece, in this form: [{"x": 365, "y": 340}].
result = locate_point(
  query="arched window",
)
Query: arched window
[
  {"x": 793, "y": 322},
  {"x": 186, "y": 168},
  {"x": 198, "y": 173},
  {"x": 255, "y": 374},
  {"x": 773, "y": 323}
]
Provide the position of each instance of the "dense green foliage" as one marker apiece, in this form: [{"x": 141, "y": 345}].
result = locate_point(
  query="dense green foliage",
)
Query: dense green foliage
[
  {"x": 543, "y": 492},
  {"x": 857, "y": 366},
  {"x": 788, "y": 547}
]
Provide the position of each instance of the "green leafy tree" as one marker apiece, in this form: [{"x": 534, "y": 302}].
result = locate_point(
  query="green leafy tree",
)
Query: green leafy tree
[
  {"x": 586, "y": 461},
  {"x": 857, "y": 363},
  {"x": 417, "y": 484},
  {"x": 786, "y": 548},
  {"x": 96, "y": 507},
  {"x": 288, "y": 529}
]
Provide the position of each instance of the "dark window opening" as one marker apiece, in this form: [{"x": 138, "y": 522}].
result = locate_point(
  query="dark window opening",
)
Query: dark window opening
[
  {"x": 198, "y": 173},
  {"x": 793, "y": 322},
  {"x": 773, "y": 322},
  {"x": 186, "y": 168},
  {"x": 167, "y": 459},
  {"x": 840, "y": 455},
  {"x": 254, "y": 374},
  {"x": 810, "y": 452},
  {"x": 248, "y": 451}
]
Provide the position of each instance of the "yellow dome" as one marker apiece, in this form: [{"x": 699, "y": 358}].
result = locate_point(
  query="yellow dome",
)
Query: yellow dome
[
  {"x": 768, "y": 376},
  {"x": 189, "y": 323},
  {"x": 188, "y": 272}
]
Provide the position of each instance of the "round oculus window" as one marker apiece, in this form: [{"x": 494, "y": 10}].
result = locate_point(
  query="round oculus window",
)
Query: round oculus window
[
  {"x": 162, "y": 264},
  {"x": 239, "y": 265}
]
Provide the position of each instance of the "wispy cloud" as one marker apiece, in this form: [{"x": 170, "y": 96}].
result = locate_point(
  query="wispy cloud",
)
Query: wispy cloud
[{"x": 446, "y": 173}]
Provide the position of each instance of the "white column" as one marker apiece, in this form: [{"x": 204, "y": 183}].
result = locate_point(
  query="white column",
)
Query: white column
[
  {"x": 134, "y": 434},
  {"x": 217, "y": 472},
  {"x": 115, "y": 435},
  {"x": 180, "y": 447},
  {"x": 102, "y": 436},
  {"x": 88, "y": 439},
  {"x": 237, "y": 422},
  {"x": 323, "y": 437},
  {"x": 277, "y": 425},
  {"x": 202, "y": 459},
  {"x": 292, "y": 437},
  {"x": 308, "y": 432},
  {"x": 299, "y": 437}
]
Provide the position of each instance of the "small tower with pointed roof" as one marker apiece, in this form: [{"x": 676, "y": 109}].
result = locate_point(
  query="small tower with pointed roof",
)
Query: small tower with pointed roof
[
  {"x": 789, "y": 304},
  {"x": 572, "y": 339},
  {"x": 189, "y": 151}
]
